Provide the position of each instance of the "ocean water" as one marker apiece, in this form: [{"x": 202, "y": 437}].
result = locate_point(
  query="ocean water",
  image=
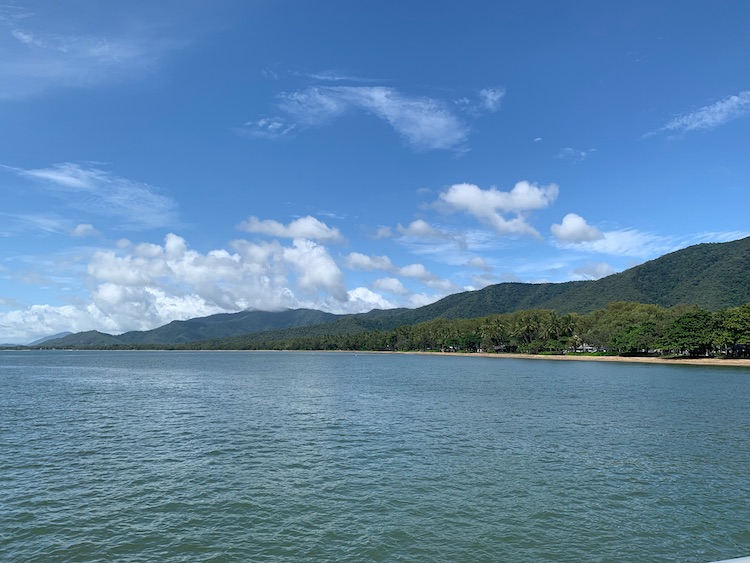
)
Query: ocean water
[{"x": 272, "y": 456}]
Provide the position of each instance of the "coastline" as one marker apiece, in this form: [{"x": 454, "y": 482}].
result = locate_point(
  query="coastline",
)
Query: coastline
[
  {"x": 738, "y": 362},
  {"x": 724, "y": 362}
]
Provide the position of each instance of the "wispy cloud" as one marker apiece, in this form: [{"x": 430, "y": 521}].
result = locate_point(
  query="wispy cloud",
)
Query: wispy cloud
[
  {"x": 40, "y": 223},
  {"x": 573, "y": 155},
  {"x": 425, "y": 123},
  {"x": 644, "y": 245},
  {"x": 337, "y": 76},
  {"x": 710, "y": 116},
  {"x": 491, "y": 98},
  {"x": 37, "y": 58},
  {"x": 98, "y": 192}
]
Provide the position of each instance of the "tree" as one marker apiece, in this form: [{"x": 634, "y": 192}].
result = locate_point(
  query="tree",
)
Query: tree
[{"x": 693, "y": 332}]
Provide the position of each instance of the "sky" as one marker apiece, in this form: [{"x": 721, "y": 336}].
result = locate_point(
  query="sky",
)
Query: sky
[{"x": 175, "y": 159}]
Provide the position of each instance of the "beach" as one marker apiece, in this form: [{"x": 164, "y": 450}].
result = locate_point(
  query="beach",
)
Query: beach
[{"x": 726, "y": 362}]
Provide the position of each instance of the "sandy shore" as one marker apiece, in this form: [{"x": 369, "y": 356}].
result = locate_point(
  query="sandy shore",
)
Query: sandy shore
[{"x": 741, "y": 362}]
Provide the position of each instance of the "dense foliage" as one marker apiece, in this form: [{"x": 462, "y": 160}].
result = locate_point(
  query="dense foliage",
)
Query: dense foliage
[{"x": 622, "y": 328}]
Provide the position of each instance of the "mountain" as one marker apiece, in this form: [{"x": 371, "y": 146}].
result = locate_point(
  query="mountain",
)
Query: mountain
[
  {"x": 223, "y": 325},
  {"x": 712, "y": 275},
  {"x": 51, "y": 337}
]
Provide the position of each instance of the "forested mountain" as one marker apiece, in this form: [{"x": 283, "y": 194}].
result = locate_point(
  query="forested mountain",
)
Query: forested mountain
[
  {"x": 223, "y": 325},
  {"x": 712, "y": 276}
]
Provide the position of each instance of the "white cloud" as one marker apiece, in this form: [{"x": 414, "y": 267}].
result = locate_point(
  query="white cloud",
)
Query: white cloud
[
  {"x": 316, "y": 270},
  {"x": 42, "y": 223},
  {"x": 575, "y": 229},
  {"x": 25, "y": 325},
  {"x": 358, "y": 261},
  {"x": 425, "y": 123},
  {"x": 383, "y": 232},
  {"x": 421, "y": 299},
  {"x": 95, "y": 191},
  {"x": 141, "y": 286},
  {"x": 362, "y": 299},
  {"x": 390, "y": 285},
  {"x": 479, "y": 263},
  {"x": 415, "y": 271},
  {"x": 84, "y": 230},
  {"x": 491, "y": 98},
  {"x": 268, "y": 127},
  {"x": 710, "y": 116},
  {"x": 490, "y": 206},
  {"x": 593, "y": 271},
  {"x": 35, "y": 61},
  {"x": 315, "y": 105},
  {"x": 481, "y": 281},
  {"x": 307, "y": 227},
  {"x": 420, "y": 229},
  {"x": 574, "y": 155}
]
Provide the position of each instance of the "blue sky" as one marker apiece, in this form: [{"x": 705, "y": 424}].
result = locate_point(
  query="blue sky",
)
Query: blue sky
[{"x": 167, "y": 160}]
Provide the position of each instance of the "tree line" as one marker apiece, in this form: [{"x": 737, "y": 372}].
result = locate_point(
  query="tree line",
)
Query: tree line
[{"x": 622, "y": 328}]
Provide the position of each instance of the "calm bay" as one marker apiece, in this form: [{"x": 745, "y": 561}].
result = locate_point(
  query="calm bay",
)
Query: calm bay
[{"x": 274, "y": 456}]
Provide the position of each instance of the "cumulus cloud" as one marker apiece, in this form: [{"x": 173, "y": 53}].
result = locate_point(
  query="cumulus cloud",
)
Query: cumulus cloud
[
  {"x": 137, "y": 205},
  {"x": 305, "y": 227},
  {"x": 491, "y": 206},
  {"x": 417, "y": 271},
  {"x": 363, "y": 299},
  {"x": 359, "y": 261},
  {"x": 390, "y": 285},
  {"x": 317, "y": 271},
  {"x": 710, "y": 116},
  {"x": 574, "y": 228},
  {"x": 140, "y": 286}
]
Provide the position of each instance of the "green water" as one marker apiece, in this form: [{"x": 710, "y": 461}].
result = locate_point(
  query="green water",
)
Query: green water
[{"x": 178, "y": 456}]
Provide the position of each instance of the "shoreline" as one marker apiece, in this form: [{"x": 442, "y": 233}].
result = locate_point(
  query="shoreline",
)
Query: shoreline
[
  {"x": 729, "y": 362},
  {"x": 725, "y": 362}
]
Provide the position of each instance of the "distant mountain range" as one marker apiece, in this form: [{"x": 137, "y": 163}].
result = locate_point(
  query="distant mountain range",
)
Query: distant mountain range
[
  {"x": 712, "y": 275},
  {"x": 51, "y": 337}
]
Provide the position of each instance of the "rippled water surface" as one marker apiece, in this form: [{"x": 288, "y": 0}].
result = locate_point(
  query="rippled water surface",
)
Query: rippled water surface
[{"x": 262, "y": 456}]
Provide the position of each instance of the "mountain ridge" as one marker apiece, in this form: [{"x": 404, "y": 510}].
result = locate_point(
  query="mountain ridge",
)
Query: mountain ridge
[{"x": 710, "y": 275}]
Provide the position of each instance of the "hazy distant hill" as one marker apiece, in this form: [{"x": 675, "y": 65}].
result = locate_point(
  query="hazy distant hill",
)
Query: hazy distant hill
[
  {"x": 713, "y": 276},
  {"x": 51, "y": 337},
  {"x": 203, "y": 328}
]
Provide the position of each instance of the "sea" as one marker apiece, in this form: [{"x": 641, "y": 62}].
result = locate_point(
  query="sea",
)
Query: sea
[{"x": 308, "y": 456}]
